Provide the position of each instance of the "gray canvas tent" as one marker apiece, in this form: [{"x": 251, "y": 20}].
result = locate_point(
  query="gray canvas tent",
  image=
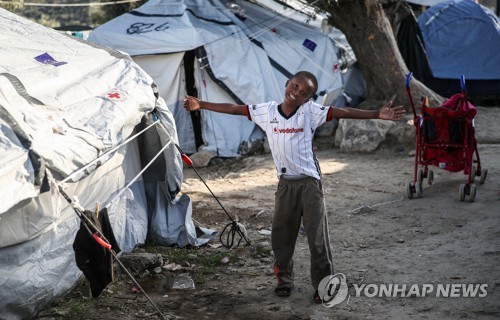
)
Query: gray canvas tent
[
  {"x": 241, "y": 54},
  {"x": 64, "y": 104}
]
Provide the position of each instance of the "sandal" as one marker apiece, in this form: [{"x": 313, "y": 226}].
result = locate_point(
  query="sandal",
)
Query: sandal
[{"x": 283, "y": 291}]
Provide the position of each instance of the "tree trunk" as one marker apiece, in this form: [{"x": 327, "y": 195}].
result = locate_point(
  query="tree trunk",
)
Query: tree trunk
[{"x": 370, "y": 35}]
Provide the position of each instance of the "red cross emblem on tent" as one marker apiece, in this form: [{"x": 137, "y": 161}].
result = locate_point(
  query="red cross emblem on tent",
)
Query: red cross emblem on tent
[{"x": 116, "y": 95}]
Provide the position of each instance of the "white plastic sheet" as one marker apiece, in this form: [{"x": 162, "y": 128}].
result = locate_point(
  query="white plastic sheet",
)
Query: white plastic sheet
[{"x": 65, "y": 103}]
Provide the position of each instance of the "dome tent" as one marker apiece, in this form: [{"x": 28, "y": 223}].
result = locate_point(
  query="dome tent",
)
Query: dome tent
[
  {"x": 232, "y": 62},
  {"x": 462, "y": 37},
  {"x": 65, "y": 103}
]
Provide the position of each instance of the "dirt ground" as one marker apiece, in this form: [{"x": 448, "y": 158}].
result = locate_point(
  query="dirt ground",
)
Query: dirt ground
[{"x": 378, "y": 237}]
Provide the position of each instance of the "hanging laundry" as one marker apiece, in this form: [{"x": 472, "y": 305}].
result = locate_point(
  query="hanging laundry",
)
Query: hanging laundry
[{"x": 95, "y": 261}]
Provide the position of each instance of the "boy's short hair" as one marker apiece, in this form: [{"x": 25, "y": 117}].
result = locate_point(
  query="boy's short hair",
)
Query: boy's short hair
[{"x": 308, "y": 75}]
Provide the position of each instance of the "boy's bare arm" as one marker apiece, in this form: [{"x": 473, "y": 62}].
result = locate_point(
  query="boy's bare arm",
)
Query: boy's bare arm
[
  {"x": 192, "y": 104},
  {"x": 386, "y": 112}
]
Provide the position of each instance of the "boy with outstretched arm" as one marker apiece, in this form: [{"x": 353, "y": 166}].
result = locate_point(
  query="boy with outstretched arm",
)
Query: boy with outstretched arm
[{"x": 290, "y": 127}]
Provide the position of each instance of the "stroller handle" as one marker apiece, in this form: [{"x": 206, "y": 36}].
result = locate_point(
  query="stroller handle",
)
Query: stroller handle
[
  {"x": 407, "y": 85},
  {"x": 408, "y": 79},
  {"x": 462, "y": 84}
]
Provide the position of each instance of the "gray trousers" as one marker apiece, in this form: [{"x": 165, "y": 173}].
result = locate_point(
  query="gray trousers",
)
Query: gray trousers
[{"x": 298, "y": 200}]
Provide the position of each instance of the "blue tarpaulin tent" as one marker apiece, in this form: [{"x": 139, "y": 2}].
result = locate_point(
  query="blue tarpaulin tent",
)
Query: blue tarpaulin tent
[{"x": 461, "y": 37}]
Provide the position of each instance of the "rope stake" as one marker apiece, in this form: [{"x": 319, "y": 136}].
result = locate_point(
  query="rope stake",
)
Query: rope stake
[{"x": 233, "y": 228}]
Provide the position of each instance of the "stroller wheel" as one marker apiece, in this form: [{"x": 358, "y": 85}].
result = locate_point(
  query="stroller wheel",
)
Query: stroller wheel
[
  {"x": 430, "y": 177},
  {"x": 409, "y": 190},
  {"x": 473, "y": 173},
  {"x": 461, "y": 192},
  {"x": 420, "y": 175},
  {"x": 419, "y": 189},
  {"x": 484, "y": 173},
  {"x": 472, "y": 193}
]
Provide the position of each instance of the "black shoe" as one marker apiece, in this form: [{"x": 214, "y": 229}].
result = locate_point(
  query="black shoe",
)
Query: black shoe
[{"x": 283, "y": 290}]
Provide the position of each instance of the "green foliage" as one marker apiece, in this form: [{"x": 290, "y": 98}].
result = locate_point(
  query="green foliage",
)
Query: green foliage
[
  {"x": 198, "y": 256},
  {"x": 263, "y": 251},
  {"x": 11, "y": 4},
  {"x": 78, "y": 306},
  {"x": 206, "y": 261},
  {"x": 63, "y": 16},
  {"x": 102, "y": 14}
]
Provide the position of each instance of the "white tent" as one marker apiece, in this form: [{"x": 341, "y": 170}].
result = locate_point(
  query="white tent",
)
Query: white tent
[
  {"x": 242, "y": 56},
  {"x": 63, "y": 104},
  {"x": 304, "y": 13}
]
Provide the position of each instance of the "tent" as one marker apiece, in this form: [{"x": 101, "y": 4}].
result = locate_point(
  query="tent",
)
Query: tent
[
  {"x": 65, "y": 103},
  {"x": 426, "y": 3},
  {"x": 462, "y": 37},
  {"x": 304, "y": 13},
  {"x": 222, "y": 52},
  {"x": 354, "y": 89}
]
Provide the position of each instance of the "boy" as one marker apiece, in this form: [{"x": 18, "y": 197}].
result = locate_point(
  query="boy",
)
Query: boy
[{"x": 289, "y": 128}]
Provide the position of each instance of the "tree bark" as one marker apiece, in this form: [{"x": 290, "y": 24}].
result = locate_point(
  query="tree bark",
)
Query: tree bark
[{"x": 370, "y": 35}]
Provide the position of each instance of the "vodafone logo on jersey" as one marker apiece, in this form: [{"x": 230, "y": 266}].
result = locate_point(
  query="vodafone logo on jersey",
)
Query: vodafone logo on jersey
[{"x": 287, "y": 130}]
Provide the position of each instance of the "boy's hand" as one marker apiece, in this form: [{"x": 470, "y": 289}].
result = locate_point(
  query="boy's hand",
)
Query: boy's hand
[
  {"x": 191, "y": 103},
  {"x": 387, "y": 112}
]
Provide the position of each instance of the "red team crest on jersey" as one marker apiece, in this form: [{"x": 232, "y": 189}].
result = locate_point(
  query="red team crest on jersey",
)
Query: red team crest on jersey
[{"x": 275, "y": 123}]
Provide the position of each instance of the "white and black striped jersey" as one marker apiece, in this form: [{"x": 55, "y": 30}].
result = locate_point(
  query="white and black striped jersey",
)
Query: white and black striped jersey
[{"x": 290, "y": 138}]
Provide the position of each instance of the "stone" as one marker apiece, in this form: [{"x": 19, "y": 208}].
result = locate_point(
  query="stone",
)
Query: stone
[
  {"x": 139, "y": 262},
  {"x": 355, "y": 135},
  {"x": 251, "y": 147},
  {"x": 183, "y": 281},
  {"x": 401, "y": 133},
  {"x": 202, "y": 158},
  {"x": 327, "y": 129}
]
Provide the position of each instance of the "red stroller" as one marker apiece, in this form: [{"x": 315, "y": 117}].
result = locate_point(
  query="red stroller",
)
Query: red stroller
[{"x": 445, "y": 139}]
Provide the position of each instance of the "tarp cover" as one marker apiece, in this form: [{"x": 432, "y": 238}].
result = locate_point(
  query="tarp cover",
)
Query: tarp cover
[
  {"x": 243, "y": 56},
  {"x": 461, "y": 38},
  {"x": 63, "y": 103}
]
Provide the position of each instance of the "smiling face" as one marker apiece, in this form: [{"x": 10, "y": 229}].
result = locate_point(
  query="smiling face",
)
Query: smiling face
[{"x": 298, "y": 90}]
